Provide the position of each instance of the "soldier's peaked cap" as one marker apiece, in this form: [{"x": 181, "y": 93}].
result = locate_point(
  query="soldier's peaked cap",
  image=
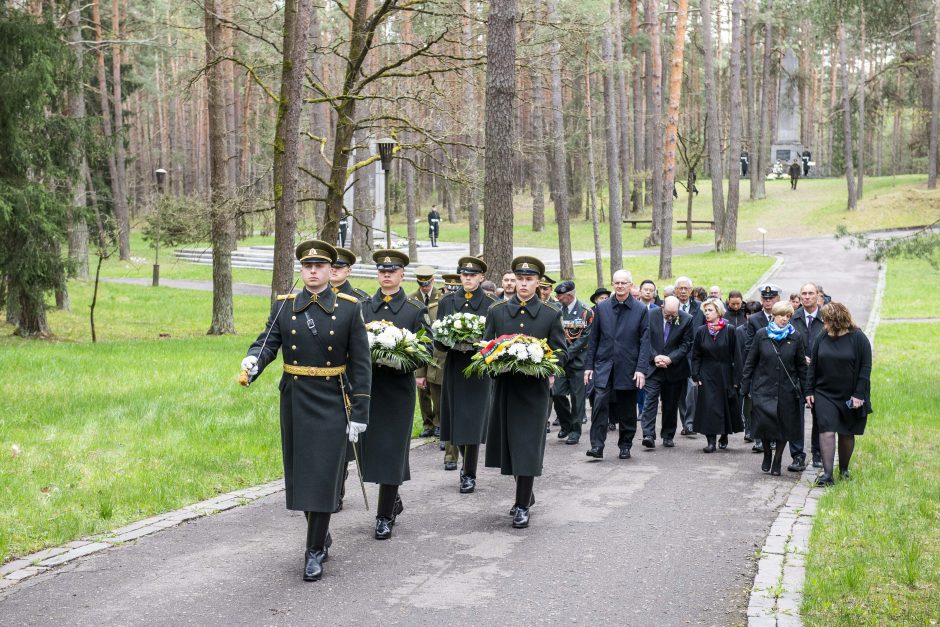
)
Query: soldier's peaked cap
[
  {"x": 424, "y": 272},
  {"x": 471, "y": 265},
  {"x": 344, "y": 257},
  {"x": 451, "y": 279},
  {"x": 527, "y": 265},
  {"x": 315, "y": 250},
  {"x": 390, "y": 259}
]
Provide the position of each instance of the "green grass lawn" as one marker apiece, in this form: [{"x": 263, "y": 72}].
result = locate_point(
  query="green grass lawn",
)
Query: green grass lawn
[
  {"x": 874, "y": 554},
  {"x": 911, "y": 289}
]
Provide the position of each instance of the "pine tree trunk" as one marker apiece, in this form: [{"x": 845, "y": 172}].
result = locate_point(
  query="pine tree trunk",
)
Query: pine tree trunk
[
  {"x": 749, "y": 80},
  {"x": 287, "y": 140},
  {"x": 611, "y": 107},
  {"x": 592, "y": 175},
  {"x": 654, "y": 119},
  {"x": 623, "y": 121},
  {"x": 120, "y": 156},
  {"x": 538, "y": 152},
  {"x": 78, "y": 226},
  {"x": 729, "y": 234},
  {"x": 713, "y": 129},
  {"x": 846, "y": 113},
  {"x": 935, "y": 103},
  {"x": 860, "y": 186},
  {"x": 411, "y": 206},
  {"x": 671, "y": 136},
  {"x": 500, "y": 137},
  {"x": 760, "y": 161},
  {"x": 471, "y": 192},
  {"x": 558, "y": 143},
  {"x": 29, "y": 312},
  {"x": 222, "y": 221},
  {"x": 364, "y": 201},
  {"x": 639, "y": 112},
  {"x": 833, "y": 101}
]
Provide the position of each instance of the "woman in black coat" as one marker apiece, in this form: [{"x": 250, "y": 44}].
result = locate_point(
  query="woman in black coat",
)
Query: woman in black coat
[
  {"x": 838, "y": 383},
  {"x": 716, "y": 371},
  {"x": 775, "y": 376}
]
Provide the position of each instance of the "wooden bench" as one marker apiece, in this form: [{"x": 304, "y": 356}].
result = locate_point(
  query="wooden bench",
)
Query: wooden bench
[
  {"x": 708, "y": 224},
  {"x": 633, "y": 223}
]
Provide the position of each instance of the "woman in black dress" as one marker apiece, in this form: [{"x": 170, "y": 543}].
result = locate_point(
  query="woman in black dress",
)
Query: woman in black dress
[
  {"x": 715, "y": 370},
  {"x": 839, "y": 385},
  {"x": 775, "y": 376}
]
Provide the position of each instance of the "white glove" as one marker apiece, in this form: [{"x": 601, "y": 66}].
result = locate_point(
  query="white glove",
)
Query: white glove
[
  {"x": 250, "y": 364},
  {"x": 354, "y": 429}
]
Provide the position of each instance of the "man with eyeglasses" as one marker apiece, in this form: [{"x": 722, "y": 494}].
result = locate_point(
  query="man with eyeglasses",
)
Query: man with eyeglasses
[{"x": 687, "y": 304}]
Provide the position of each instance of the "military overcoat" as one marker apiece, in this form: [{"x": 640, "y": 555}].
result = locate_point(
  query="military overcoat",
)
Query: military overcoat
[
  {"x": 384, "y": 447},
  {"x": 465, "y": 403},
  {"x": 516, "y": 433},
  {"x": 313, "y": 416}
]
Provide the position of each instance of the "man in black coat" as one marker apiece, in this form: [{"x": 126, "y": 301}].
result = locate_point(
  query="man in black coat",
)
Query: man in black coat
[
  {"x": 617, "y": 357},
  {"x": 465, "y": 401},
  {"x": 693, "y": 307},
  {"x": 670, "y": 333},
  {"x": 339, "y": 275},
  {"x": 808, "y": 321},
  {"x": 324, "y": 391},
  {"x": 434, "y": 226},
  {"x": 384, "y": 451},
  {"x": 568, "y": 391}
]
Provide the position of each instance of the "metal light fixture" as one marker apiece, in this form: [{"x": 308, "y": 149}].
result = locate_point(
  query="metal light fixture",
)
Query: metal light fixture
[
  {"x": 763, "y": 237},
  {"x": 161, "y": 181},
  {"x": 386, "y": 146}
]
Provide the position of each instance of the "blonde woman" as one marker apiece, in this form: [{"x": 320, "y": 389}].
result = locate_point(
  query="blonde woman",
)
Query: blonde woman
[{"x": 716, "y": 373}]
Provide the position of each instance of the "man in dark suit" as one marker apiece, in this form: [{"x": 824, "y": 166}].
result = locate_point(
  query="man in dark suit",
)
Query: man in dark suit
[
  {"x": 689, "y": 305},
  {"x": 807, "y": 321},
  {"x": 670, "y": 332},
  {"x": 618, "y": 351}
]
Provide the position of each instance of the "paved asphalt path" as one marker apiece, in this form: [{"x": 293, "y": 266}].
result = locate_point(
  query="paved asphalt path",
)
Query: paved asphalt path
[{"x": 666, "y": 538}]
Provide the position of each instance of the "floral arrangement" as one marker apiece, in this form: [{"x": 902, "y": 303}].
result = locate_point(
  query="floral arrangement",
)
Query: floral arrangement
[
  {"x": 397, "y": 348},
  {"x": 459, "y": 331},
  {"x": 516, "y": 354}
]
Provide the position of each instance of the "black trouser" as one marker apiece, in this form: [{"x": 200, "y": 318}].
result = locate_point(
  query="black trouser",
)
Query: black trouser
[
  {"x": 471, "y": 453},
  {"x": 670, "y": 392},
  {"x": 524, "y": 487},
  {"x": 318, "y": 525},
  {"x": 624, "y": 415},
  {"x": 797, "y": 447},
  {"x": 386, "y": 506},
  {"x": 568, "y": 398}
]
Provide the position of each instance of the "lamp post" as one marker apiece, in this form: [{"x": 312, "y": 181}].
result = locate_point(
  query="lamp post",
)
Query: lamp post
[
  {"x": 386, "y": 146},
  {"x": 161, "y": 180},
  {"x": 763, "y": 237}
]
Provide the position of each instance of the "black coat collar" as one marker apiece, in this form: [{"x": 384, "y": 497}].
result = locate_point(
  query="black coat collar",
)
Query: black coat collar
[
  {"x": 395, "y": 304},
  {"x": 326, "y": 300},
  {"x": 531, "y": 306}
]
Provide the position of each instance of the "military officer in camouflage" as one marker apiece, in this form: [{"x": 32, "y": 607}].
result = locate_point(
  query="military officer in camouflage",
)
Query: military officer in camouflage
[
  {"x": 516, "y": 437},
  {"x": 384, "y": 451},
  {"x": 465, "y": 402},
  {"x": 434, "y": 377},
  {"x": 326, "y": 357},
  {"x": 339, "y": 274}
]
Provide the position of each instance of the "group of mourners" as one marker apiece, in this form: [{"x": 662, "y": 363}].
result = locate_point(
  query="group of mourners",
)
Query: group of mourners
[{"x": 723, "y": 367}]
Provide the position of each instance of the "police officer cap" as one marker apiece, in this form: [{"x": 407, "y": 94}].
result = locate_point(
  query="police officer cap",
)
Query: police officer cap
[
  {"x": 769, "y": 291},
  {"x": 315, "y": 251},
  {"x": 344, "y": 257},
  {"x": 599, "y": 291},
  {"x": 390, "y": 259},
  {"x": 564, "y": 287},
  {"x": 451, "y": 279},
  {"x": 471, "y": 265},
  {"x": 527, "y": 265}
]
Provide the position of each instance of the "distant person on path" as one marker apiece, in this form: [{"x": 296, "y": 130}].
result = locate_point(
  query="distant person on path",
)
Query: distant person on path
[
  {"x": 775, "y": 376},
  {"x": 434, "y": 226},
  {"x": 385, "y": 449},
  {"x": 716, "y": 373},
  {"x": 568, "y": 390},
  {"x": 324, "y": 393},
  {"x": 617, "y": 358},
  {"x": 808, "y": 321},
  {"x": 794, "y": 171},
  {"x": 515, "y": 440},
  {"x": 744, "y": 163},
  {"x": 839, "y": 387},
  {"x": 670, "y": 332},
  {"x": 806, "y": 157}
]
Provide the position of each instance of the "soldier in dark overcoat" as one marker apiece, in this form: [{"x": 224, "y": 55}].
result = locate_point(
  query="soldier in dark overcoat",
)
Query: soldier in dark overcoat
[
  {"x": 465, "y": 402},
  {"x": 515, "y": 437},
  {"x": 385, "y": 449},
  {"x": 339, "y": 274},
  {"x": 326, "y": 356}
]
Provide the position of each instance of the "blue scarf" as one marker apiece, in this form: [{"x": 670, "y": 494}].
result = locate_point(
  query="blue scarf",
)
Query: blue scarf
[{"x": 776, "y": 333}]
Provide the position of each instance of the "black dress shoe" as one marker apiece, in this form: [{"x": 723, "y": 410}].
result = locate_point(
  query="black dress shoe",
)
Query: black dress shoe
[
  {"x": 596, "y": 453},
  {"x": 584, "y": 421},
  {"x": 844, "y": 475},
  {"x": 555, "y": 422},
  {"x": 758, "y": 447},
  {"x": 548, "y": 429},
  {"x": 437, "y": 432},
  {"x": 573, "y": 438},
  {"x": 442, "y": 445},
  {"x": 824, "y": 481},
  {"x": 684, "y": 431},
  {"x": 383, "y": 528},
  {"x": 428, "y": 432},
  {"x": 710, "y": 448},
  {"x": 624, "y": 453},
  {"x": 467, "y": 484},
  {"x": 313, "y": 564},
  {"x": 748, "y": 438},
  {"x": 798, "y": 465},
  {"x": 668, "y": 443},
  {"x": 563, "y": 433},
  {"x": 765, "y": 464},
  {"x": 817, "y": 460},
  {"x": 450, "y": 465},
  {"x": 612, "y": 427},
  {"x": 723, "y": 441},
  {"x": 520, "y": 519},
  {"x": 512, "y": 512},
  {"x": 649, "y": 442}
]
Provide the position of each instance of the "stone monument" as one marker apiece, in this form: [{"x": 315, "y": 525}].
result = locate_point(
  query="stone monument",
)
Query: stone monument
[{"x": 787, "y": 146}]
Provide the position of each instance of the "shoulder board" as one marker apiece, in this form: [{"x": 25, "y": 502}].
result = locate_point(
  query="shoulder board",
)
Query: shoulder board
[
  {"x": 351, "y": 299},
  {"x": 414, "y": 301},
  {"x": 491, "y": 297},
  {"x": 286, "y": 296},
  {"x": 361, "y": 293},
  {"x": 498, "y": 303}
]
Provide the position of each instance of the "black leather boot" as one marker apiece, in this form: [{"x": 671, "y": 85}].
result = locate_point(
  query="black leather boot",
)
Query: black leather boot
[
  {"x": 319, "y": 541},
  {"x": 768, "y": 454},
  {"x": 710, "y": 448}
]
